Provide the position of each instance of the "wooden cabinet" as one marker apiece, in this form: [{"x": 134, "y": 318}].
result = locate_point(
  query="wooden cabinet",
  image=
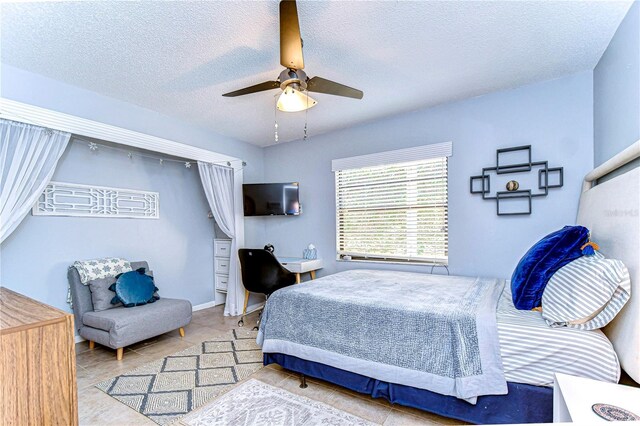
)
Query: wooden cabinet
[{"x": 38, "y": 363}]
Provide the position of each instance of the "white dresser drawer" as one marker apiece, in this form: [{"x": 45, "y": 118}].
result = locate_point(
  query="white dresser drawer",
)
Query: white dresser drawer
[
  {"x": 222, "y": 266},
  {"x": 222, "y": 248},
  {"x": 221, "y": 282}
]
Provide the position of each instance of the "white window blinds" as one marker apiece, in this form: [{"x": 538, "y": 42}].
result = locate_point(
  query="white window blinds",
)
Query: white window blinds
[{"x": 395, "y": 212}]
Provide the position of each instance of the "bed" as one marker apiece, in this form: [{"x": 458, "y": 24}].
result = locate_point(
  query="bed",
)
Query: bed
[{"x": 529, "y": 351}]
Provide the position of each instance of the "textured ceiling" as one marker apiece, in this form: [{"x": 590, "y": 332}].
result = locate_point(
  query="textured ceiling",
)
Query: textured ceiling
[{"x": 177, "y": 58}]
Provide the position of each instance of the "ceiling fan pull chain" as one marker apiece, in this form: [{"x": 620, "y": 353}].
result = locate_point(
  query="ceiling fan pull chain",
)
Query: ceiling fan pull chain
[
  {"x": 306, "y": 115},
  {"x": 275, "y": 119}
]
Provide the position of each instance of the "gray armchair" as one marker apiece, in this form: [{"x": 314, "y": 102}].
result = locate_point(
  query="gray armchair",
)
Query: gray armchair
[{"x": 120, "y": 327}]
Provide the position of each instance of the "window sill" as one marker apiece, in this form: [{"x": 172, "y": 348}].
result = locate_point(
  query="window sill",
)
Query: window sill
[{"x": 396, "y": 262}]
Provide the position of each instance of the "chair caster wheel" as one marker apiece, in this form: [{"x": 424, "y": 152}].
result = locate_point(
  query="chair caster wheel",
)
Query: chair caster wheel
[
  {"x": 240, "y": 323},
  {"x": 255, "y": 328}
]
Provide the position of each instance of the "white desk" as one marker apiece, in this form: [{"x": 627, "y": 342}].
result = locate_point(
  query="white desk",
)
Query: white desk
[
  {"x": 573, "y": 398},
  {"x": 298, "y": 266}
]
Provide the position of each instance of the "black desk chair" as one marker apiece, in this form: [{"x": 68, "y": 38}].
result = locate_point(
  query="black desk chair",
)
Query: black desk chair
[{"x": 262, "y": 273}]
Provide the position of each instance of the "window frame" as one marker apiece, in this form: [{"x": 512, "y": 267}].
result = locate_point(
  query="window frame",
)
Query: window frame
[{"x": 393, "y": 159}]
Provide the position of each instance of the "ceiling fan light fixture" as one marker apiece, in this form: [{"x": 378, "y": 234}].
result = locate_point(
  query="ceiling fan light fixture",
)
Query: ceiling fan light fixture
[{"x": 292, "y": 100}]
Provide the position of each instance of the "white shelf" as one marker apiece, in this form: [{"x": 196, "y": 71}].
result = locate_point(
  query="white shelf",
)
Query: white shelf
[{"x": 221, "y": 262}]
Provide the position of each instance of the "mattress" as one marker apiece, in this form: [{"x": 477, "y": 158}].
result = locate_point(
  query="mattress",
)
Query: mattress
[
  {"x": 425, "y": 331},
  {"x": 532, "y": 351}
]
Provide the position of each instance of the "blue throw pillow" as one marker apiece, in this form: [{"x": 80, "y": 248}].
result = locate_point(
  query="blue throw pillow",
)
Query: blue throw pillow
[
  {"x": 541, "y": 261},
  {"x": 134, "y": 288}
]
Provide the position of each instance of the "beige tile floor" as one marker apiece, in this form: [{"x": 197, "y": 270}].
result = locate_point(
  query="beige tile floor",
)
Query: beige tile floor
[{"x": 97, "y": 408}]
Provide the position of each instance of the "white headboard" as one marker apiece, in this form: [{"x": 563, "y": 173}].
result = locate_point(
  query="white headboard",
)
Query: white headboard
[{"x": 611, "y": 211}]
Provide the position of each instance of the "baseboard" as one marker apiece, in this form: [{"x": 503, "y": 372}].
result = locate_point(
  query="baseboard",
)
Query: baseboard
[
  {"x": 250, "y": 308},
  {"x": 204, "y": 306},
  {"x": 79, "y": 338},
  {"x": 254, "y": 307}
]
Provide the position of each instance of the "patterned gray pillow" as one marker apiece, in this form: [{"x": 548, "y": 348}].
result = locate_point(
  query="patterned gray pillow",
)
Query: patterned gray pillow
[
  {"x": 586, "y": 293},
  {"x": 101, "y": 295}
]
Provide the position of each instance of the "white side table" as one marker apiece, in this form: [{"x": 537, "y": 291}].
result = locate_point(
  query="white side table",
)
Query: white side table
[{"x": 573, "y": 398}]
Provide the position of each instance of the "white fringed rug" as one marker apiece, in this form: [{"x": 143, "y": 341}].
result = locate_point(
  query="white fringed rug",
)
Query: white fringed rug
[{"x": 254, "y": 403}]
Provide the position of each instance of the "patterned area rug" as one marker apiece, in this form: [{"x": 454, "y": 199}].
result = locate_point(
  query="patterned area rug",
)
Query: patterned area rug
[
  {"x": 254, "y": 403},
  {"x": 167, "y": 389}
]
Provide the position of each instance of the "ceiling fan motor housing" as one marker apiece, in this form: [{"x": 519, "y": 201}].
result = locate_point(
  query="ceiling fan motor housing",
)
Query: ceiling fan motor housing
[{"x": 293, "y": 76}]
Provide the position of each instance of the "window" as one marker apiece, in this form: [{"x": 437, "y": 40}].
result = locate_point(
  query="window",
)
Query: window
[{"x": 393, "y": 212}]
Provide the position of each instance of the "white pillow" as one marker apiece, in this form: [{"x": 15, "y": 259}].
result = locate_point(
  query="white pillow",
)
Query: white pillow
[{"x": 586, "y": 293}]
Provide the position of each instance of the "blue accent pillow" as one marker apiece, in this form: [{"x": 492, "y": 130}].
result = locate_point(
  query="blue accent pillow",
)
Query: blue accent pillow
[
  {"x": 541, "y": 261},
  {"x": 134, "y": 288}
]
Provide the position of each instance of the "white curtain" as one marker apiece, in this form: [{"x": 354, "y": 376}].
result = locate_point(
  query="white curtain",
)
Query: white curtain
[
  {"x": 28, "y": 157},
  {"x": 223, "y": 194}
]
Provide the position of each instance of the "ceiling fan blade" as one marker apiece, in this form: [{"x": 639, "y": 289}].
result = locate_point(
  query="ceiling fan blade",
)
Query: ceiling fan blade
[
  {"x": 290, "y": 40},
  {"x": 267, "y": 85},
  {"x": 321, "y": 85}
]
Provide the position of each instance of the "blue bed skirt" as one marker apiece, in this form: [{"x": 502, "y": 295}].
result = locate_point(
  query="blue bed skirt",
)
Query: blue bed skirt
[{"x": 523, "y": 403}]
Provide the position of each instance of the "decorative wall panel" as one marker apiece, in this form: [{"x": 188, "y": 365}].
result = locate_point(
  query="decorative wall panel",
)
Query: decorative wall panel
[
  {"x": 516, "y": 161},
  {"x": 71, "y": 199}
]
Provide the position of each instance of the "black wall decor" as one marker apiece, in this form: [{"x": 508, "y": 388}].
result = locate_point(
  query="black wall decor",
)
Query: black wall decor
[{"x": 548, "y": 177}]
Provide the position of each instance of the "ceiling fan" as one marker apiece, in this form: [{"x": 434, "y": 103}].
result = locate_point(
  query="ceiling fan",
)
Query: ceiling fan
[{"x": 293, "y": 81}]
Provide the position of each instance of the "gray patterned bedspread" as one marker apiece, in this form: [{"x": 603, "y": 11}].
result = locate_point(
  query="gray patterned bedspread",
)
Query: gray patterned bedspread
[{"x": 431, "y": 332}]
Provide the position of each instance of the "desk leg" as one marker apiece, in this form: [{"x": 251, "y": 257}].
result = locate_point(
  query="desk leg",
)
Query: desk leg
[
  {"x": 297, "y": 278},
  {"x": 313, "y": 275}
]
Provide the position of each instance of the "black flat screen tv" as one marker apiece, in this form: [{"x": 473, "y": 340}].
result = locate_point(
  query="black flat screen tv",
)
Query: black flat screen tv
[{"x": 271, "y": 199}]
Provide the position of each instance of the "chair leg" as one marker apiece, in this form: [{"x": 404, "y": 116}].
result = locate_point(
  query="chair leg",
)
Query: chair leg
[
  {"x": 246, "y": 302},
  {"x": 119, "y": 354},
  {"x": 244, "y": 310},
  {"x": 181, "y": 331},
  {"x": 92, "y": 344}
]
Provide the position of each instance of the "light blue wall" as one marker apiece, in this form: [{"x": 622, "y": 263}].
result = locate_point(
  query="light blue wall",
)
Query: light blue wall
[
  {"x": 616, "y": 90},
  {"x": 179, "y": 246},
  {"x": 555, "y": 117},
  {"x": 35, "y": 89}
]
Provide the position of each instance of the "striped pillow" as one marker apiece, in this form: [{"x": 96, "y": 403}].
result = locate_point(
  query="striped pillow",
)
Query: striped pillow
[{"x": 586, "y": 293}]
